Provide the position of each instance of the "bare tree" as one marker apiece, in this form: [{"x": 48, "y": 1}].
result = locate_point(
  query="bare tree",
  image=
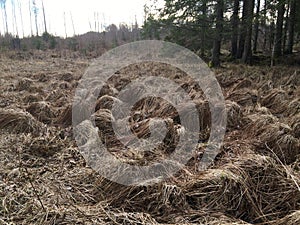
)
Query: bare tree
[
  {"x": 3, "y": 21},
  {"x": 95, "y": 20},
  {"x": 21, "y": 16},
  {"x": 44, "y": 15},
  {"x": 35, "y": 11},
  {"x": 14, "y": 21},
  {"x": 65, "y": 24},
  {"x": 98, "y": 23},
  {"x": 31, "y": 29},
  {"x": 90, "y": 25},
  {"x": 72, "y": 23},
  {"x": 3, "y": 6}
]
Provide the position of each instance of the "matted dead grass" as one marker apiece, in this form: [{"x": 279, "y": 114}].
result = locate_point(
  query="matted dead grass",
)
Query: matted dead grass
[
  {"x": 24, "y": 84},
  {"x": 18, "y": 121},
  {"x": 243, "y": 97},
  {"x": 293, "y": 108},
  {"x": 292, "y": 219},
  {"x": 274, "y": 138},
  {"x": 45, "y": 180},
  {"x": 65, "y": 116},
  {"x": 276, "y": 101},
  {"x": 294, "y": 122},
  {"x": 32, "y": 98},
  {"x": 234, "y": 115},
  {"x": 42, "y": 111}
]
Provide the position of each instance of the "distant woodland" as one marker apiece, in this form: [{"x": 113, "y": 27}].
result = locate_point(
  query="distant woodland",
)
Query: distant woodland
[{"x": 243, "y": 31}]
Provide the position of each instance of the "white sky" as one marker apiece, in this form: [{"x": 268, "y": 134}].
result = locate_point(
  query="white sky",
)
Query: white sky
[{"x": 83, "y": 13}]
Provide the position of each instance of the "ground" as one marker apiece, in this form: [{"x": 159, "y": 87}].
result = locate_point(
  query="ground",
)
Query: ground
[{"x": 45, "y": 180}]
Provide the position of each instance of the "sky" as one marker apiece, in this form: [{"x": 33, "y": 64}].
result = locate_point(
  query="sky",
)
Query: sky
[{"x": 84, "y": 13}]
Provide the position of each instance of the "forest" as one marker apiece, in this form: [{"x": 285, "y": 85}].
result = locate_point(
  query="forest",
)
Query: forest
[
  {"x": 240, "y": 30},
  {"x": 244, "y": 29}
]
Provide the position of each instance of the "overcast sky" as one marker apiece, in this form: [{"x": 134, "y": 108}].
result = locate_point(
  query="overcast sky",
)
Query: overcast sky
[{"x": 82, "y": 12}]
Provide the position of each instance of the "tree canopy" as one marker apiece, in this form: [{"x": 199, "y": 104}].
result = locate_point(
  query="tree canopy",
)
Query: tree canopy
[{"x": 241, "y": 27}]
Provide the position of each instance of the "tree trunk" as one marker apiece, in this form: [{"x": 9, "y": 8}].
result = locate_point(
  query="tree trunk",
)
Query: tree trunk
[
  {"x": 256, "y": 26},
  {"x": 235, "y": 24},
  {"x": 243, "y": 30},
  {"x": 65, "y": 25},
  {"x": 5, "y": 15},
  {"x": 291, "y": 28},
  {"x": 31, "y": 29},
  {"x": 14, "y": 21},
  {"x": 218, "y": 37},
  {"x": 271, "y": 36},
  {"x": 3, "y": 21},
  {"x": 21, "y": 16},
  {"x": 279, "y": 29},
  {"x": 203, "y": 33},
  {"x": 95, "y": 21},
  {"x": 35, "y": 11},
  {"x": 286, "y": 25},
  {"x": 72, "y": 23},
  {"x": 44, "y": 15},
  {"x": 265, "y": 26},
  {"x": 247, "y": 54}
]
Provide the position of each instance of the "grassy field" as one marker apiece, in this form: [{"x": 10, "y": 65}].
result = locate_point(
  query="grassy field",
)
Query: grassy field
[{"x": 44, "y": 179}]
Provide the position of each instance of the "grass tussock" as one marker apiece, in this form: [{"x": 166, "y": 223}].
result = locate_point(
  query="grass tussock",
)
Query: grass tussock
[
  {"x": 46, "y": 176},
  {"x": 42, "y": 111},
  {"x": 18, "y": 121}
]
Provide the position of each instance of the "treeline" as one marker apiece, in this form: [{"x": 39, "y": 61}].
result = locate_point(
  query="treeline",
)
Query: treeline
[
  {"x": 243, "y": 28},
  {"x": 15, "y": 13},
  {"x": 91, "y": 42},
  {"x": 23, "y": 18},
  {"x": 238, "y": 30}
]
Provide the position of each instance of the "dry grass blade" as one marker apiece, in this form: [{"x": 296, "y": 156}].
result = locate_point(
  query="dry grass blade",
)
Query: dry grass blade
[{"x": 292, "y": 219}]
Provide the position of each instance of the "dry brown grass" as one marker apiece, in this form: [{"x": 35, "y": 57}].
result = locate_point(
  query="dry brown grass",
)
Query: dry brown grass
[
  {"x": 293, "y": 108},
  {"x": 295, "y": 125},
  {"x": 24, "y": 84},
  {"x": 276, "y": 101},
  {"x": 45, "y": 180},
  {"x": 273, "y": 138},
  {"x": 292, "y": 219},
  {"x": 242, "y": 96},
  {"x": 18, "y": 121},
  {"x": 32, "y": 98},
  {"x": 234, "y": 115},
  {"x": 42, "y": 111},
  {"x": 65, "y": 117}
]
